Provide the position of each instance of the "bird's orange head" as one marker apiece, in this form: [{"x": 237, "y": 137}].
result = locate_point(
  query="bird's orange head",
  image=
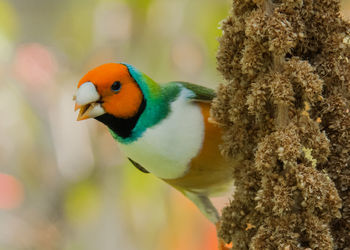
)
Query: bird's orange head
[{"x": 108, "y": 89}]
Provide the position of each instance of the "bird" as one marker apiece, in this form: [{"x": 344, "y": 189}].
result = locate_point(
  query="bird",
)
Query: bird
[{"x": 163, "y": 129}]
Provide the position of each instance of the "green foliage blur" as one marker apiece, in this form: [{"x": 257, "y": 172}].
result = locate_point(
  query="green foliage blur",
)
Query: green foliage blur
[{"x": 64, "y": 184}]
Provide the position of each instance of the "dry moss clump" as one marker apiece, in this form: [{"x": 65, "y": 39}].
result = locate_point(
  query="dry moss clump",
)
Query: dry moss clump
[{"x": 285, "y": 107}]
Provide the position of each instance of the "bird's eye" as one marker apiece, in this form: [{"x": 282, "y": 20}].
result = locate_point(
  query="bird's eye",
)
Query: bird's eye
[{"x": 116, "y": 86}]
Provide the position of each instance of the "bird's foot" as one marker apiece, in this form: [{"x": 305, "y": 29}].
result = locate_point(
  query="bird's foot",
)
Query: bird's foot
[
  {"x": 224, "y": 246},
  {"x": 221, "y": 243}
]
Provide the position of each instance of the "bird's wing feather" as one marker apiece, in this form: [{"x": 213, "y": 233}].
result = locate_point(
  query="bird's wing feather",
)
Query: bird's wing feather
[
  {"x": 201, "y": 93},
  {"x": 138, "y": 166}
]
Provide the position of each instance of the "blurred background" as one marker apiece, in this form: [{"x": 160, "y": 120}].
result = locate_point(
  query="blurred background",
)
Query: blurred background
[{"x": 65, "y": 184}]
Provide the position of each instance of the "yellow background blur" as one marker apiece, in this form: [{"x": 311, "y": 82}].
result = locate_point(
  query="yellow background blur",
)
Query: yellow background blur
[{"x": 64, "y": 184}]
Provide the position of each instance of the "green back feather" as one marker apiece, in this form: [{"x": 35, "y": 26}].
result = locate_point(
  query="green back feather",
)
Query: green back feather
[{"x": 200, "y": 93}]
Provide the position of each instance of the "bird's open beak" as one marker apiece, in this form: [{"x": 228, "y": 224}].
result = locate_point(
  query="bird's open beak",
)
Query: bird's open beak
[{"x": 88, "y": 102}]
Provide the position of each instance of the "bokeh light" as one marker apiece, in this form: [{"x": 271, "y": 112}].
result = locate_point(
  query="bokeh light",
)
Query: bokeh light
[
  {"x": 11, "y": 192},
  {"x": 34, "y": 65}
]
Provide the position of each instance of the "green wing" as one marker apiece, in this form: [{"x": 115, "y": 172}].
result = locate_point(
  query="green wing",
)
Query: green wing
[{"x": 202, "y": 94}]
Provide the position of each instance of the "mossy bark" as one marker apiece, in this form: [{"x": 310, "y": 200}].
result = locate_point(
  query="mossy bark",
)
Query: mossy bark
[{"x": 285, "y": 107}]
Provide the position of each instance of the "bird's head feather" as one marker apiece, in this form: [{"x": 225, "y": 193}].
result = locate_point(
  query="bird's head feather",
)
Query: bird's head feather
[{"x": 111, "y": 88}]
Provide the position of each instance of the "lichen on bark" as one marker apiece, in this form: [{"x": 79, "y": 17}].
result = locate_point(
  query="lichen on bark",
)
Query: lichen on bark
[{"x": 285, "y": 107}]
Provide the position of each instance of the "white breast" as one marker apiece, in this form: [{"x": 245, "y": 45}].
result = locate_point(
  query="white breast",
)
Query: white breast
[{"x": 167, "y": 148}]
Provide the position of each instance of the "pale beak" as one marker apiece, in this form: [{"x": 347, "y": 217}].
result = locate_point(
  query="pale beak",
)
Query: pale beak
[{"x": 88, "y": 101}]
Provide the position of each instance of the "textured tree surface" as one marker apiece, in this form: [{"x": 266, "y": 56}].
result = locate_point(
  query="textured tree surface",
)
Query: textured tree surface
[{"x": 285, "y": 107}]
